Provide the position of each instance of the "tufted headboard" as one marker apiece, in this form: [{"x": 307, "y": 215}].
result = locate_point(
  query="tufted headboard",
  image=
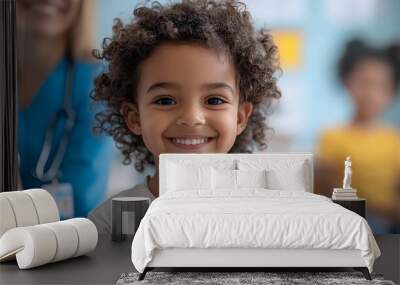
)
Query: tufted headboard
[{"x": 281, "y": 163}]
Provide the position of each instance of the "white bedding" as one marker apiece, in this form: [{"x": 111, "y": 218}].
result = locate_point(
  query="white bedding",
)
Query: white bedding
[{"x": 251, "y": 218}]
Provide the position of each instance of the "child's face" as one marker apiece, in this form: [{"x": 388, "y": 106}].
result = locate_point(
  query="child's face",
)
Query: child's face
[
  {"x": 188, "y": 101},
  {"x": 371, "y": 85}
]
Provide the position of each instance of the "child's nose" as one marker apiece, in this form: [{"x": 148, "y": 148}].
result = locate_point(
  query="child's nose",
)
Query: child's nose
[{"x": 191, "y": 116}]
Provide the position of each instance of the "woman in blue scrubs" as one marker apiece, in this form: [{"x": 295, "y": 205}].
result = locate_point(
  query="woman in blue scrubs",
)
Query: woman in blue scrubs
[{"x": 58, "y": 150}]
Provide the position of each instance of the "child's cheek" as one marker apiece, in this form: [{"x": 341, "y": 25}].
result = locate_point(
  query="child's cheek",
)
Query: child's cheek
[
  {"x": 227, "y": 128},
  {"x": 153, "y": 126}
]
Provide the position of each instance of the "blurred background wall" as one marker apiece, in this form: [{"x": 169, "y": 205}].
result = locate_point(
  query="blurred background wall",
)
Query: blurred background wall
[{"x": 311, "y": 35}]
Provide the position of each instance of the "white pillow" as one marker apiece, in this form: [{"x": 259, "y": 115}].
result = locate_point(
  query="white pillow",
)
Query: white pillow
[
  {"x": 251, "y": 178},
  {"x": 181, "y": 178},
  {"x": 224, "y": 179},
  {"x": 282, "y": 174},
  {"x": 228, "y": 179},
  {"x": 288, "y": 179}
]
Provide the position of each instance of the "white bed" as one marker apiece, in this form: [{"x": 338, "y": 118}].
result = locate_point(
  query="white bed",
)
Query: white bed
[{"x": 198, "y": 223}]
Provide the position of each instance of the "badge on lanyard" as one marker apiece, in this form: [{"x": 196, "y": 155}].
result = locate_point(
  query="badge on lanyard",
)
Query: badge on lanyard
[
  {"x": 64, "y": 197},
  {"x": 62, "y": 192}
]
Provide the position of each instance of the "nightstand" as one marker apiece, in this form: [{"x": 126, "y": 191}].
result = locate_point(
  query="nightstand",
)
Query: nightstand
[{"x": 357, "y": 206}]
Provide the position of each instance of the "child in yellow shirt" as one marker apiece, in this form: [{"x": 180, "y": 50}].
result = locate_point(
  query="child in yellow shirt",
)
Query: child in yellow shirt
[
  {"x": 371, "y": 79},
  {"x": 190, "y": 77}
]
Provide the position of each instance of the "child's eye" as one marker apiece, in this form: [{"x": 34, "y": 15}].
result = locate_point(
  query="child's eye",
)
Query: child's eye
[
  {"x": 215, "y": 101},
  {"x": 165, "y": 101}
]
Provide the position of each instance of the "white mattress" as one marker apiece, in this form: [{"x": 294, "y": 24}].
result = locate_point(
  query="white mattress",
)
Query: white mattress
[{"x": 252, "y": 218}]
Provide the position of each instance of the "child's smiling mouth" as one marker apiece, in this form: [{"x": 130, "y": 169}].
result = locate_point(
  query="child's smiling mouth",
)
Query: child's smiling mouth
[{"x": 190, "y": 142}]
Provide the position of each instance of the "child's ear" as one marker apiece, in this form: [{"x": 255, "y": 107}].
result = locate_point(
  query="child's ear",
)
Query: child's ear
[
  {"x": 130, "y": 113},
  {"x": 244, "y": 113}
]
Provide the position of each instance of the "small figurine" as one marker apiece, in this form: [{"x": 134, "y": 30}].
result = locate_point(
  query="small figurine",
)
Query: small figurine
[
  {"x": 347, "y": 192},
  {"x": 347, "y": 173}
]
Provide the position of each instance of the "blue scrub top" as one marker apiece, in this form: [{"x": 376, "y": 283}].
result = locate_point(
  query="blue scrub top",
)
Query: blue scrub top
[{"x": 87, "y": 159}]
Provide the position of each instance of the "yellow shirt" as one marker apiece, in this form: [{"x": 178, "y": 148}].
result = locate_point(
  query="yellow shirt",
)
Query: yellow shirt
[{"x": 375, "y": 156}]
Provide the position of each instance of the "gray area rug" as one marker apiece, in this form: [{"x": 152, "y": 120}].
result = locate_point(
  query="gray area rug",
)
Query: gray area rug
[{"x": 228, "y": 278}]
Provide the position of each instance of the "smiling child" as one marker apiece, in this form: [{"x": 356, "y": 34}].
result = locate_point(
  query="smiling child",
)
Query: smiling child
[{"x": 190, "y": 77}]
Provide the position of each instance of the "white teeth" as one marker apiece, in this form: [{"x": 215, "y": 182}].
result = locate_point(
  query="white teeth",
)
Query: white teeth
[{"x": 189, "y": 141}]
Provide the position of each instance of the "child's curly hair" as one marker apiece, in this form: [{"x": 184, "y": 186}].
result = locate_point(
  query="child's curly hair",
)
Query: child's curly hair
[{"x": 224, "y": 26}]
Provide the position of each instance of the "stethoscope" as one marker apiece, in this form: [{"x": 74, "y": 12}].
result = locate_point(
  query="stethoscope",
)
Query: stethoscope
[{"x": 69, "y": 114}]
